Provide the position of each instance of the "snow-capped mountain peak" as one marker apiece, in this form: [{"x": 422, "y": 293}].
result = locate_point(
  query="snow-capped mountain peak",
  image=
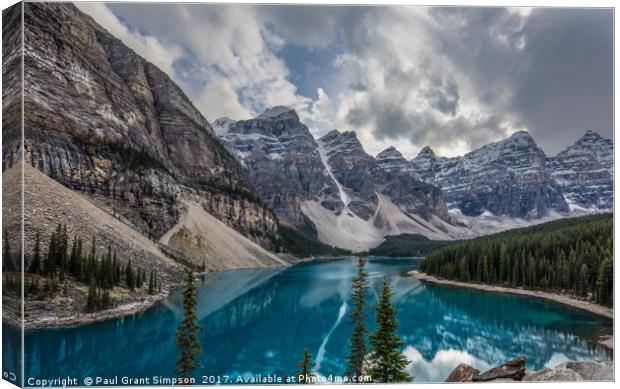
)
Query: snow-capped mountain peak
[
  {"x": 392, "y": 161},
  {"x": 221, "y": 126},
  {"x": 584, "y": 170},
  {"x": 508, "y": 177},
  {"x": 427, "y": 151},
  {"x": 280, "y": 112},
  {"x": 591, "y": 143},
  {"x": 342, "y": 142}
]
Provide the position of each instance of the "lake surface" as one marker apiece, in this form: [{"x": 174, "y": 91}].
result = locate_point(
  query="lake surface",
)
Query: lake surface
[{"x": 259, "y": 321}]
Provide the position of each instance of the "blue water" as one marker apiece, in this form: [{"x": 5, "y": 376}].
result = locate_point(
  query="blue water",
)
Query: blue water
[{"x": 259, "y": 321}]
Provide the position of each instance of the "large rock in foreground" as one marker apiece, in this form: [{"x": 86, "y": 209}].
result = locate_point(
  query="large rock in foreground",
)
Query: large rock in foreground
[
  {"x": 514, "y": 370},
  {"x": 574, "y": 371},
  {"x": 463, "y": 373}
]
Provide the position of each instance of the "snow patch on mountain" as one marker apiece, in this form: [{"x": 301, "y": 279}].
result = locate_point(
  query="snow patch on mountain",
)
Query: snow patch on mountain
[{"x": 343, "y": 194}]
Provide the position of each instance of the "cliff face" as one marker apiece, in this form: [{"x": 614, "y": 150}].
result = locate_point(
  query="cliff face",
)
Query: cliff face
[{"x": 100, "y": 119}]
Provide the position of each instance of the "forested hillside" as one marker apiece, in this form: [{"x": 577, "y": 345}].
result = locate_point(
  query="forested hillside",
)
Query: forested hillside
[
  {"x": 573, "y": 256},
  {"x": 408, "y": 245}
]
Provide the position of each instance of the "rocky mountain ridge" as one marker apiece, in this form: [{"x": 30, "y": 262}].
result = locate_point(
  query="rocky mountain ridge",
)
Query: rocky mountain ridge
[
  {"x": 331, "y": 185},
  {"x": 282, "y": 160},
  {"x": 584, "y": 170},
  {"x": 506, "y": 184},
  {"x": 511, "y": 178}
]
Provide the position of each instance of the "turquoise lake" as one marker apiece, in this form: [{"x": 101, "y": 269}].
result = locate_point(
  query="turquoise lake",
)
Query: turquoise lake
[{"x": 258, "y": 321}]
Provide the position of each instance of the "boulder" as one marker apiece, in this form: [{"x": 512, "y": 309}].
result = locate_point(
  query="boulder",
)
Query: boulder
[
  {"x": 463, "y": 373},
  {"x": 514, "y": 369},
  {"x": 591, "y": 371},
  {"x": 553, "y": 375}
]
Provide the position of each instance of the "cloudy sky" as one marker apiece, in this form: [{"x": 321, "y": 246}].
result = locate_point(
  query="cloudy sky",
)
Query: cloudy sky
[{"x": 451, "y": 78}]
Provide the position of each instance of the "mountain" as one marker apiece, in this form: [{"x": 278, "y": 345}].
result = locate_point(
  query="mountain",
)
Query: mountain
[
  {"x": 585, "y": 172},
  {"x": 103, "y": 121},
  {"x": 330, "y": 188},
  {"x": 427, "y": 165},
  {"x": 283, "y": 162},
  {"x": 352, "y": 169},
  {"x": 512, "y": 178},
  {"x": 391, "y": 161}
]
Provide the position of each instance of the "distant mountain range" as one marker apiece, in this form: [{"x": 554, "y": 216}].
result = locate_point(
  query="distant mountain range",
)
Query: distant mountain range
[
  {"x": 112, "y": 127},
  {"x": 354, "y": 200}
]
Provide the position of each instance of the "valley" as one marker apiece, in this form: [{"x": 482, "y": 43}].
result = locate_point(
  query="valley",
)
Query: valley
[{"x": 116, "y": 152}]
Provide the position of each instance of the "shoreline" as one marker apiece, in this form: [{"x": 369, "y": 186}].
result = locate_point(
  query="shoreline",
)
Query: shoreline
[
  {"x": 126, "y": 309},
  {"x": 554, "y": 297},
  {"x": 52, "y": 322}
]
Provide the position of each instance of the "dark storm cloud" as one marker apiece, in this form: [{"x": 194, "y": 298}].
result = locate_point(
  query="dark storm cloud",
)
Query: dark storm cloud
[
  {"x": 568, "y": 86},
  {"x": 444, "y": 96},
  {"x": 435, "y": 76},
  {"x": 549, "y": 71}
]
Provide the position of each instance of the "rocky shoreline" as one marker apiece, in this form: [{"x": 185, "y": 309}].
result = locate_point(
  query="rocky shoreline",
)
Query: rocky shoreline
[
  {"x": 87, "y": 318},
  {"x": 514, "y": 370},
  {"x": 558, "y": 298}
]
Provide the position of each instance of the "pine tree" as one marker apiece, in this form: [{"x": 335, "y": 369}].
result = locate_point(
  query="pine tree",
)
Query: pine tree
[
  {"x": 117, "y": 269},
  {"x": 49, "y": 265},
  {"x": 91, "y": 300},
  {"x": 582, "y": 282},
  {"x": 359, "y": 286},
  {"x": 304, "y": 370},
  {"x": 605, "y": 282},
  {"x": 387, "y": 362},
  {"x": 35, "y": 265},
  {"x": 72, "y": 267},
  {"x": 129, "y": 276},
  {"x": 187, "y": 338},
  {"x": 63, "y": 257},
  {"x": 7, "y": 259},
  {"x": 139, "y": 279},
  {"x": 151, "y": 283},
  {"x": 90, "y": 267},
  {"x": 106, "y": 300}
]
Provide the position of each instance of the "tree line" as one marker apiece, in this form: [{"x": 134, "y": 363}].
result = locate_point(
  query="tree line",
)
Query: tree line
[
  {"x": 572, "y": 256},
  {"x": 65, "y": 259}
]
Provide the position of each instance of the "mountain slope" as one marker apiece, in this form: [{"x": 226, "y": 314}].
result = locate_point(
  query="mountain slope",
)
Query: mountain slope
[
  {"x": 102, "y": 120},
  {"x": 48, "y": 203},
  {"x": 203, "y": 238}
]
